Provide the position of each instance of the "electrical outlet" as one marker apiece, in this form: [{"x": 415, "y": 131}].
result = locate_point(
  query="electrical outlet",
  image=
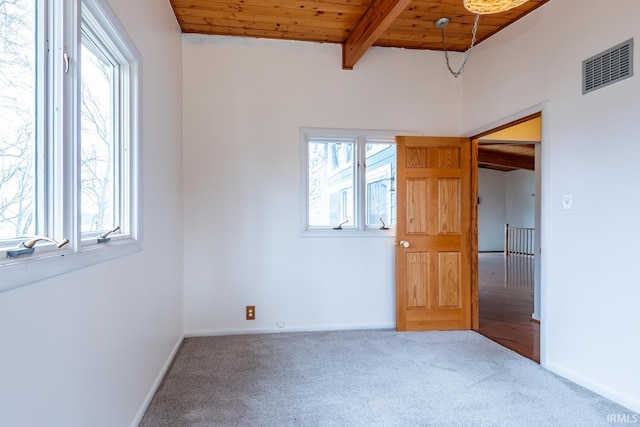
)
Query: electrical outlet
[{"x": 251, "y": 312}]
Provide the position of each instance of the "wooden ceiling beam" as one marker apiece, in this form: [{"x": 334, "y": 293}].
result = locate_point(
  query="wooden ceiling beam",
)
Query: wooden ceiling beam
[
  {"x": 495, "y": 167},
  {"x": 506, "y": 159},
  {"x": 375, "y": 20}
]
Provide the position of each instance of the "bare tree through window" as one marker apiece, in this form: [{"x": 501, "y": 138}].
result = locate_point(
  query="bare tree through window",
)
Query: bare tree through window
[
  {"x": 17, "y": 118},
  {"x": 97, "y": 144}
]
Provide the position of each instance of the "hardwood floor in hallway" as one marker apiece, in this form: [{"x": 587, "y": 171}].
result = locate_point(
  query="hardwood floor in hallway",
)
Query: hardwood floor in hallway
[{"x": 506, "y": 303}]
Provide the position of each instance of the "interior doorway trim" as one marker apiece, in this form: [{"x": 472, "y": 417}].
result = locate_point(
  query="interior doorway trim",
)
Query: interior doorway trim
[{"x": 545, "y": 205}]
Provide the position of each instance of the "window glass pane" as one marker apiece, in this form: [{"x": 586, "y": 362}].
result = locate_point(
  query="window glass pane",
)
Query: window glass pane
[
  {"x": 18, "y": 91},
  {"x": 380, "y": 184},
  {"x": 98, "y": 204},
  {"x": 331, "y": 180}
]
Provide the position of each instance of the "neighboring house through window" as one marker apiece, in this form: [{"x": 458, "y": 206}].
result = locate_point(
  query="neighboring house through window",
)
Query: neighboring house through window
[{"x": 350, "y": 181}]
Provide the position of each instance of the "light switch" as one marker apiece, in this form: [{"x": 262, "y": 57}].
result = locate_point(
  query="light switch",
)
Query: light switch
[{"x": 567, "y": 202}]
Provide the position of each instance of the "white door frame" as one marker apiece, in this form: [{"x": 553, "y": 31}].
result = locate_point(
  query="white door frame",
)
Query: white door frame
[{"x": 540, "y": 303}]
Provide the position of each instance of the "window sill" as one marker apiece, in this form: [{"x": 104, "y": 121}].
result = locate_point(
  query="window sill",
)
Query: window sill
[
  {"x": 21, "y": 272},
  {"x": 345, "y": 232}
]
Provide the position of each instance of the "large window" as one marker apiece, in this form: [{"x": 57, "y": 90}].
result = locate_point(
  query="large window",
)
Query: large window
[
  {"x": 350, "y": 182},
  {"x": 19, "y": 99},
  {"x": 68, "y": 136}
]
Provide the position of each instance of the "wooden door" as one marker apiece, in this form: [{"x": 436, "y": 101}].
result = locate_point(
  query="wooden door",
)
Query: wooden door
[{"x": 433, "y": 236}]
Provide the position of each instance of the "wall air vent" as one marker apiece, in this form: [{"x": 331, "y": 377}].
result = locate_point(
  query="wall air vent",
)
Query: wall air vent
[{"x": 607, "y": 67}]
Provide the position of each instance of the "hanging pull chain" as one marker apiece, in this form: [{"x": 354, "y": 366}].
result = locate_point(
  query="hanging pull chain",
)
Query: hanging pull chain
[{"x": 441, "y": 23}]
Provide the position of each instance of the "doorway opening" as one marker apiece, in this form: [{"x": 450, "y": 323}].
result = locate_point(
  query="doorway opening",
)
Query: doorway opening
[{"x": 509, "y": 194}]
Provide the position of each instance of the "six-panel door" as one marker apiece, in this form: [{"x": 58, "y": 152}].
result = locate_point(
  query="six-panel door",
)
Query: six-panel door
[{"x": 433, "y": 271}]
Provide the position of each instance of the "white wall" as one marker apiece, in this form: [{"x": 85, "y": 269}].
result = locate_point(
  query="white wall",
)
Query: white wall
[
  {"x": 85, "y": 348},
  {"x": 492, "y": 210},
  {"x": 590, "y": 288},
  {"x": 244, "y": 103},
  {"x": 521, "y": 187},
  {"x": 505, "y": 197}
]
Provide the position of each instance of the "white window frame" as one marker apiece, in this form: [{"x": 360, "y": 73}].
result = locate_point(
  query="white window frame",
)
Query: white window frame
[
  {"x": 61, "y": 189},
  {"x": 361, "y": 137},
  {"x": 126, "y": 121}
]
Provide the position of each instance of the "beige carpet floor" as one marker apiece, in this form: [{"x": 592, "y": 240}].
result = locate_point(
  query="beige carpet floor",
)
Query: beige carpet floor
[{"x": 366, "y": 378}]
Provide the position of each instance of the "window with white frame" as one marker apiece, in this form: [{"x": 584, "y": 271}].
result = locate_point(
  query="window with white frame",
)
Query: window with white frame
[
  {"x": 350, "y": 181},
  {"x": 20, "y": 131},
  {"x": 68, "y": 135}
]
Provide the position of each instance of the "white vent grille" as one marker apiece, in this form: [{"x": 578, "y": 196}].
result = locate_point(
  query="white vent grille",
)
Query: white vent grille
[{"x": 607, "y": 67}]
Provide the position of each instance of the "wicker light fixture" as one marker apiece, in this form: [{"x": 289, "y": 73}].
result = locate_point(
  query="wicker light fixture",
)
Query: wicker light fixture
[{"x": 486, "y": 7}]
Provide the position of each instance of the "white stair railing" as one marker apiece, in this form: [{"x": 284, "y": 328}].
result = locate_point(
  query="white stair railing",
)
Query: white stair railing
[{"x": 518, "y": 241}]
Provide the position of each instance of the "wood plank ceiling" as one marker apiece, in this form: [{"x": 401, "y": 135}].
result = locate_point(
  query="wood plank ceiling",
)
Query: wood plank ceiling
[
  {"x": 356, "y": 24},
  {"x": 506, "y": 157}
]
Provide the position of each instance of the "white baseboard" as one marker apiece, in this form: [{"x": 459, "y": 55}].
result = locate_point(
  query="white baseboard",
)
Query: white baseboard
[
  {"x": 630, "y": 402},
  {"x": 154, "y": 388},
  {"x": 325, "y": 328}
]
